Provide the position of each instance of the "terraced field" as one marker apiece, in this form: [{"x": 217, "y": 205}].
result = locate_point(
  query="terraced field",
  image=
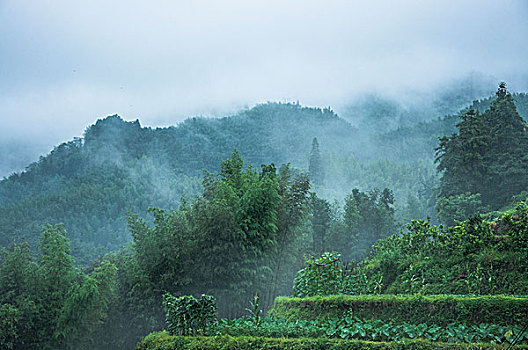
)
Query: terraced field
[{"x": 366, "y": 322}]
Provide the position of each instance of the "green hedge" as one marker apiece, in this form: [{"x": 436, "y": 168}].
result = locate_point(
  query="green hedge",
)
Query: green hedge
[
  {"x": 438, "y": 310},
  {"x": 162, "y": 341}
]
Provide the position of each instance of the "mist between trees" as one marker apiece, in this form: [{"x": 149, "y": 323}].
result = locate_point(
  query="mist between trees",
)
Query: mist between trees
[{"x": 235, "y": 230}]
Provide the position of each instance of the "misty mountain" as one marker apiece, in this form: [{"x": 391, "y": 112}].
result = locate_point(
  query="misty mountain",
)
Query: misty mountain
[
  {"x": 419, "y": 139},
  {"x": 120, "y": 167},
  {"x": 90, "y": 183},
  {"x": 381, "y": 113}
]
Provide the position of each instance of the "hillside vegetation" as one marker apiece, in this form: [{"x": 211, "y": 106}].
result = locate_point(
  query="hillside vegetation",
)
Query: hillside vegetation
[
  {"x": 303, "y": 206},
  {"x": 90, "y": 183}
]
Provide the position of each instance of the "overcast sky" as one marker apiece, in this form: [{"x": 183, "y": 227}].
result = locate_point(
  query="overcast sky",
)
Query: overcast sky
[{"x": 63, "y": 64}]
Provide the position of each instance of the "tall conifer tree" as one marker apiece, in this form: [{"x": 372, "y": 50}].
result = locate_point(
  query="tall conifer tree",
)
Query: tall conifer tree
[
  {"x": 315, "y": 165},
  {"x": 488, "y": 156}
]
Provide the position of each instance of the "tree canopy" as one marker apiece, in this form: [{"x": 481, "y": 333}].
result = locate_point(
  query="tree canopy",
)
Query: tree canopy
[{"x": 487, "y": 157}]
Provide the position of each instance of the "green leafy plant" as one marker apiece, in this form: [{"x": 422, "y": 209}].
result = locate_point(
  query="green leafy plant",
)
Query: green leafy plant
[
  {"x": 474, "y": 280},
  {"x": 327, "y": 275},
  {"x": 255, "y": 312},
  {"x": 378, "y": 284},
  {"x": 474, "y": 257},
  {"x": 188, "y": 315},
  {"x": 321, "y": 276},
  {"x": 352, "y": 327}
]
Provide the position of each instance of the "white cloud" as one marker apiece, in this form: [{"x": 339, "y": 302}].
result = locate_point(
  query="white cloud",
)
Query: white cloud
[{"x": 63, "y": 63}]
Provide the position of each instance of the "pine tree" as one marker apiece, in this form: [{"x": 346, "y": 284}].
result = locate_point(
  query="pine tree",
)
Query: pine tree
[
  {"x": 315, "y": 169},
  {"x": 488, "y": 156}
]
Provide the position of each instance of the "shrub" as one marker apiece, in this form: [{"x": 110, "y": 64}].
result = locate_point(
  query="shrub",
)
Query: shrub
[
  {"x": 187, "y": 315},
  {"x": 474, "y": 257},
  {"x": 439, "y": 310},
  {"x": 321, "y": 276},
  {"x": 327, "y": 275}
]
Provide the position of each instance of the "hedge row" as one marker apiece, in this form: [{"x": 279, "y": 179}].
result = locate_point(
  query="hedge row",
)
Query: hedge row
[
  {"x": 438, "y": 310},
  {"x": 162, "y": 341}
]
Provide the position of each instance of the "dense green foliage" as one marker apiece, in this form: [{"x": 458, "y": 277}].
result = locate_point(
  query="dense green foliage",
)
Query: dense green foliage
[
  {"x": 321, "y": 276},
  {"x": 350, "y": 327},
  {"x": 412, "y": 132},
  {"x": 320, "y": 222},
  {"x": 47, "y": 303},
  {"x": 475, "y": 257},
  {"x": 520, "y": 100},
  {"x": 233, "y": 241},
  {"x": 438, "y": 310},
  {"x": 161, "y": 341},
  {"x": 249, "y": 229},
  {"x": 188, "y": 315},
  {"x": 90, "y": 183},
  {"x": 91, "y": 204},
  {"x": 486, "y": 161},
  {"x": 365, "y": 218},
  {"x": 368, "y": 217},
  {"x": 327, "y": 275}
]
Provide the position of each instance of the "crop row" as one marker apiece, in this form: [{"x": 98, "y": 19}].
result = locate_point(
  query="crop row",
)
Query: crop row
[{"x": 350, "y": 327}]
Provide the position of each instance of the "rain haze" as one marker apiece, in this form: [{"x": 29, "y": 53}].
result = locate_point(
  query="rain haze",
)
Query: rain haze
[
  {"x": 263, "y": 174},
  {"x": 63, "y": 64}
]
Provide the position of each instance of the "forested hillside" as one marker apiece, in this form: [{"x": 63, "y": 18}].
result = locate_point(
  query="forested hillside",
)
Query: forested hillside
[
  {"x": 90, "y": 183},
  {"x": 271, "y": 175},
  {"x": 241, "y": 230}
]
